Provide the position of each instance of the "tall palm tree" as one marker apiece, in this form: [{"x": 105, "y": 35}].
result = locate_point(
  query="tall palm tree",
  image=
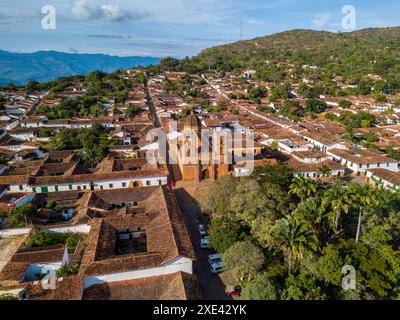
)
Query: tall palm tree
[
  {"x": 325, "y": 171},
  {"x": 364, "y": 197},
  {"x": 339, "y": 200},
  {"x": 294, "y": 239},
  {"x": 312, "y": 210},
  {"x": 303, "y": 187}
]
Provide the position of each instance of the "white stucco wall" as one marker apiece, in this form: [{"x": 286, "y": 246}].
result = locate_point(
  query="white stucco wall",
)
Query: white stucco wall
[
  {"x": 176, "y": 265},
  {"x": 81, "y": 228}
]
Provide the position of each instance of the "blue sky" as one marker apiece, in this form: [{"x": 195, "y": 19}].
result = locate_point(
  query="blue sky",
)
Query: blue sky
[{"x": 172, "y": 27}]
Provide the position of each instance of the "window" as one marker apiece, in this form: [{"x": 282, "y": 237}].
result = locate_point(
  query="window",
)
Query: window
[
  {"x": 79, "y": 188},
  {"x": 70, "y": 187},
  {"x": 124, "y": 184},
  {"x": 159, "y": 182},
  {"x": 148, "y": 183},
  {"x": 136, "y": 184},
  {"x": 21, "y": 187},
  {"x": 84, "y": 187},
  {"x": 111, "y": 185},
  {"x": 101, "y": 187}
]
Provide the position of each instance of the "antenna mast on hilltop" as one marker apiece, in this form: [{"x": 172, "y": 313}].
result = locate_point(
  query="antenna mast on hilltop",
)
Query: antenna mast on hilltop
[{"x": 241, "y": 30}]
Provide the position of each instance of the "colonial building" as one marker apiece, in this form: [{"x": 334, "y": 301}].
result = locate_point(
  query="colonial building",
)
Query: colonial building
[{"x": 198, "y": 156}]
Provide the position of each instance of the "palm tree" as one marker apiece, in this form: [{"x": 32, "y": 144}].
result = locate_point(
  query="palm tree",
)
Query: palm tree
[
  {"x": 325, "y": 171},
  {"x": 294, "y": 239},
  {"x": 314, "y": 212},
  {"x": 364, "y": 197},
  {"x": 339, "y": 200},
  {"x": 303, "y": 188}
]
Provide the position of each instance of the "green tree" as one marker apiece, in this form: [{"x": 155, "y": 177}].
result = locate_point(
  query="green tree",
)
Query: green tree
[
  {"x": 44, "y": 238},
  {"x": 69, "y": 270},
  {"x": 294, "y": 239},
  {"x": 274, "y": 146},
  {"x": 339, "y": 201},
  {"x": 315, "y": 105},
  {"x": 22, "y": 214},
  {"x": 10, "y": 86},
  {"x": 7, "y": 296},
  {"x": 325, "y": 171},
  {"x": 132, "y": 111},
  {"x": 95, "y": 144},
  {"x": 244, "y": 259},
  {"x": 32, "y": 86},
  {"x": 303, "y": 287},
  {"x": 303, "y": 188},
  {"x": 261, "y": 288},
  {"x": 224, "y": 232},
  {"x": 345, "y": 104},
  {"x": 364, "y": 197},
  {"x": 280, "y": 175},
  {"x": 216, "y": 198}
]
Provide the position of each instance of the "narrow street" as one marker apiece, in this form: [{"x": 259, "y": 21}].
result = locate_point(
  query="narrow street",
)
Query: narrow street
[
  {"x": 150, "y": 104},
  {"x": 211, "y": 285}
]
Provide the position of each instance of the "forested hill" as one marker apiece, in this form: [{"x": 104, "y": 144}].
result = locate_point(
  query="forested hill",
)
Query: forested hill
[
  {"x": 351, "y": 54},
  {"x": 44, "y": 66}
]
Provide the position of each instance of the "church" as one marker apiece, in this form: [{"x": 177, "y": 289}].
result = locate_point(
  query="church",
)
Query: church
[{"x": 199, "y": 154}]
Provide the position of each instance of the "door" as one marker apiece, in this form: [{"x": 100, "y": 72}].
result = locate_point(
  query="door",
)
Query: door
[{"x": 44, "y": 189}]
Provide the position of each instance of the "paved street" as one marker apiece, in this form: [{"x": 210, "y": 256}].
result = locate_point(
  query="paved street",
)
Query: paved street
[{"x": 211, "y": 285}]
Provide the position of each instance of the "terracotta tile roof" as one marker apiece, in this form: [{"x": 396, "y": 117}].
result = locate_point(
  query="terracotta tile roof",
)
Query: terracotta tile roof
[
  {"x": 298, "y": 166},
  {"x": 176, "y": 286},
  {"x": 67, "y": 288},
  {"x": 41, "y": 254},
  {"x": 362, "y": 156},
  {"x": 166, "y": 234},
  {"x": 389, "y": 176},
  {"x": 13, "y": 271}
]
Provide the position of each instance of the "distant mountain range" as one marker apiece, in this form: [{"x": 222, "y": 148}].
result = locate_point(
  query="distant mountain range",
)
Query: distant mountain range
[{"x": 43, "y": 66}]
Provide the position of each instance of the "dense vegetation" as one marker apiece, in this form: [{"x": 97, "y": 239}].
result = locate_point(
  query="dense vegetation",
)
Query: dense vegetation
[
  {"x": 288, "y": 238},
  {"x": 46, "y": 238},
  {"x": 20, "y": 216},
  {"x": 281, "y": 57},
  {"x": 94, "y": 142}
]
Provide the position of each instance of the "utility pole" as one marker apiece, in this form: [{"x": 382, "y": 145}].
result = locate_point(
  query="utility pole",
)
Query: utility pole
[{"x": 241, "y": 30}]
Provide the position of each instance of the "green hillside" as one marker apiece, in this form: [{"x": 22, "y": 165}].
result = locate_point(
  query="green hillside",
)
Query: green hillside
[{"x": 351, "y": 55}]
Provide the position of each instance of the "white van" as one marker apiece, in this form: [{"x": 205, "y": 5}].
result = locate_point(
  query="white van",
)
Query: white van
[
  {"x": 216, "y": 268},
  {"x": 214, "y": 258}
]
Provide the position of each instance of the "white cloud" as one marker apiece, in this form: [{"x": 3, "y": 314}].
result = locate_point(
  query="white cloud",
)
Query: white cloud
[
  {"x": 322, "y": 19},
  {"x": 108, "y": 13}
]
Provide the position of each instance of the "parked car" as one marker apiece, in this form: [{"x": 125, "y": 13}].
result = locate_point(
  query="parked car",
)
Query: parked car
[
  {"x": 214, "y": 258},
  {"x": 202, "y": 230},
  {"x": 204, "y": 243},
  {"x": 216, "y": 268},
  {"x": 233, "y": 291}
]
